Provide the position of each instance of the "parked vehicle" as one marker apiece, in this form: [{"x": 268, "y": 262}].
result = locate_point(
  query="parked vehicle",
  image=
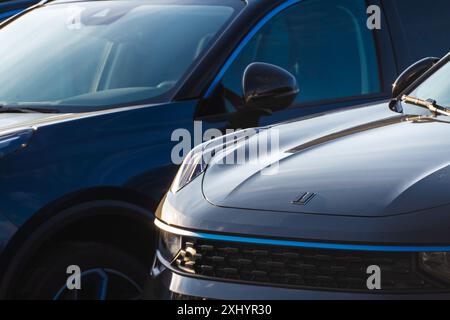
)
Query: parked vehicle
[
  {"x": 92, "y": 92},
  {"x": 12, "y": 7},
  {"x": 355, "y": 196}
]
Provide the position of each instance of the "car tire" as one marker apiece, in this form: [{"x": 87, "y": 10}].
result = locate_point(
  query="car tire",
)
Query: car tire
[{"x": 107, "y": 273}]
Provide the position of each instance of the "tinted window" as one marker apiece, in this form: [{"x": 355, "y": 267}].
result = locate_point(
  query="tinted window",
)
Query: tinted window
[
  {"x": 325, "y": 44},
  {"x": 420, "y": 28},
  {"x": 103, "y": 53}
]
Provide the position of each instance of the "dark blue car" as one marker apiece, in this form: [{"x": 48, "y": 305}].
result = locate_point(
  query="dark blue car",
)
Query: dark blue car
[
  {"x": 96, "y": 98},
  {"x": 13, "y": 7}
]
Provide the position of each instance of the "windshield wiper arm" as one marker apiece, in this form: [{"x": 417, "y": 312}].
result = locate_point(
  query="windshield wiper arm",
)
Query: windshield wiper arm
[
  {"x": 429, "y": 104},
  {"x": 14, "y": 109}
]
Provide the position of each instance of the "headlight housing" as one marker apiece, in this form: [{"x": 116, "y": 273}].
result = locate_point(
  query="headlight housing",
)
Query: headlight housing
[
  {"x": 199, "y": 158},
  {"x": 192, "y": 167},
  {"x": 436, "y": 264},
  {"x": 169, "y": 245}
]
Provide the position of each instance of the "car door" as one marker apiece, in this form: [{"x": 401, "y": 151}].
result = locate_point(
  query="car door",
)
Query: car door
[{"x": 337, "y": 60}]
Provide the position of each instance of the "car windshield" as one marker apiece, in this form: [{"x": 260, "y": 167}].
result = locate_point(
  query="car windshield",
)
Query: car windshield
[
  {"x": 86, "y": 56},
  {"x": 436, "y": 87}
]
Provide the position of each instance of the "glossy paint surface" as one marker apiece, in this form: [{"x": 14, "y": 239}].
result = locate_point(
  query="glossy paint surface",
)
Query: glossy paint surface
[
  {"x": 402, "y": 200},
  {"x": 76, "y": 152},
  {"x": 386, "y": 166}
]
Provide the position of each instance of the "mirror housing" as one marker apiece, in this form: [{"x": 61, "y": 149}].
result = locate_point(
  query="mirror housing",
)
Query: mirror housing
[
  {"x": 269, "y": 87},
  {"x": 411, "y": 74}
]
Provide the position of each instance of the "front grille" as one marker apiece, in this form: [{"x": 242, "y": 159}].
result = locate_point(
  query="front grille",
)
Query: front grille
[
  {"x": 179, "y": 296},
  {"x": 302, "y": 268}
]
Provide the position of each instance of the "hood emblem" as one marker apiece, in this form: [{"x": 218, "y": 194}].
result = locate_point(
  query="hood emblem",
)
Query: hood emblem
[{"x": 304, "y": 198}]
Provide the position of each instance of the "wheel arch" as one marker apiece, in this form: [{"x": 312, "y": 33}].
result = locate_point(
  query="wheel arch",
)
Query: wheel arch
[{"x": 130, "y": 227}]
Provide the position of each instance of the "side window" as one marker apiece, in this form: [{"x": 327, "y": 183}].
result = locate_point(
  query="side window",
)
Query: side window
[
  {"x": 326, "y": 45},
  {"x": 414, "y": 26}
]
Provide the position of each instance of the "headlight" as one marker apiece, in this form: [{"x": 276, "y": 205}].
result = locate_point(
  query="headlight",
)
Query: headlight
[
  {"x": 169, "y": 245},
  {"x": 192, "y": 167},
  {"x": 198, "y": 159},
  {"x": 436, "y": 264}
]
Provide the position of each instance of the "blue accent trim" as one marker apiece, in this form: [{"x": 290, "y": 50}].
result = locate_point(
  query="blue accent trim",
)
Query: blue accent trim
[
  {"x": 300, "y": 244},
  {"x": 313, "y": 245},
  {"x": 8, "y": 14},
  {"x": 245, "y": 41}
]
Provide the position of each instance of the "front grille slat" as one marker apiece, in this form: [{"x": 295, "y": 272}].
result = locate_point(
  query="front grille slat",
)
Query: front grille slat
[{"x": 302, "y": 267}]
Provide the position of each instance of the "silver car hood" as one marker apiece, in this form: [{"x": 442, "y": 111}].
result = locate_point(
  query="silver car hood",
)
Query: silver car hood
[{"x": 367, "y": 162}]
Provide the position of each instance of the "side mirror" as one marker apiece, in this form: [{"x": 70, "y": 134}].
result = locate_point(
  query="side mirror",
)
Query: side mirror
[
  {"x": 269, "y": 87},
  {"x": 411, "y": 74}
]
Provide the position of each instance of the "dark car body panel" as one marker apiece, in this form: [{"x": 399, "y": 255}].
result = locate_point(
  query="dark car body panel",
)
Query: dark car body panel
[
  {"x": 7, "y": 229},
  {"x": 95, "y": 151}
]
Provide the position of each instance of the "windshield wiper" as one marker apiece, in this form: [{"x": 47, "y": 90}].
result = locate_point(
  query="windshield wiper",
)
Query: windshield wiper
[
  {"x": 17, "y": 109},
  {"x": 430, "y": 104}
]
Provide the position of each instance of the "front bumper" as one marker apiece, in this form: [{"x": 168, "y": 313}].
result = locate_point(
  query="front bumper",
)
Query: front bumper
[
  {"x": 220, "y": 266},
  {"x": 173, "y": 285}
]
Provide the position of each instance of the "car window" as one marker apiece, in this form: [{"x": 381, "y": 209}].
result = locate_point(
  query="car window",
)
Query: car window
[
  {"x": 102, "y": 54},
  {"x": 412, "y": 27},
  {"x": 326, "y": 45}
]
